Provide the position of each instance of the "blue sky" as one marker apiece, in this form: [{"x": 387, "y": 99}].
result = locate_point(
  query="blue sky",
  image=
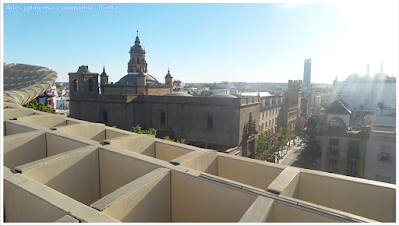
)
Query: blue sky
[{"x": 237, "y": 42}]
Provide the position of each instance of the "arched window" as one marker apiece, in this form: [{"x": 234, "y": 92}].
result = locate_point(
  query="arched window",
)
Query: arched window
[
  {"x": 105, "y": 116},
  {"x": 210, "y": 121},
  {"x": 138, "y": 60},
  {"x": 336, "y": 123},
  {"x": 90, "y": 85},
  {"x": 75, "y": 85},
  {"x": 162, "y": 118}
]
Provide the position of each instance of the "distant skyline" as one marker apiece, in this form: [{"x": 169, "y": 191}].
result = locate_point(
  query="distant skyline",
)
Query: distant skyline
[{"x": 207, "y": 43}]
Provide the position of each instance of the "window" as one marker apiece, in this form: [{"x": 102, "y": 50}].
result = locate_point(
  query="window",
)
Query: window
[
  {"x": 105, "y": 116},
  {"x": 334, "y": 143},
  {"x": 75, "y": 85},
  {"x": 266, "y": 124},
  {"x": 90, "y": 85},
  {"x": 162, "y": 118},
  {"x": 138, "y": 60},
  {"x": 263, "y": 115},
  {"x": 332, "y": 166},
  {"x": 336, "y": 123},
  {"x": 353, "y": 149},
  {"x": 385, "y": 154},
  {"x": 250, "y": 116},
  {"x": 351, "y": 169},
  {"x": 210, "y": 121},
  {"x": 267, "y": 113}
]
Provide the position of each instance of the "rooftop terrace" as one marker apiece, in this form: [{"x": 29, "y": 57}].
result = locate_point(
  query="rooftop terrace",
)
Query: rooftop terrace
[{"x": 59, "y": 169}]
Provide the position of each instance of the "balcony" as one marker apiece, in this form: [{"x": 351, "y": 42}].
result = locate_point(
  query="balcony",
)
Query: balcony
[
  {"x": 351, "y": 173},
  {"x": 353, "y": 153},
  {"x": 385, "y": 158},
  {"x": 333, "y": 151}
]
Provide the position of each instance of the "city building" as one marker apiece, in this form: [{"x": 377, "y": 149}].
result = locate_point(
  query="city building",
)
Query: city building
[
  {"x": 344, "y": 147},
  {"x": 270, "y": 114},
  {"x": 381, "y": 149},
  {"x": 291, "y": 109},
  {"x": 307, "y": 87},
  {"x": 221, "y": 122},
  {"x": 59, "y": 169}
]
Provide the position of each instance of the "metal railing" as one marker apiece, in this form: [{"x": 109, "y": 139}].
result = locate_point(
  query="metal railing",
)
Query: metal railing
[
  {"x": 385, "y": 158},
  {"x": 334, "y": 151}
]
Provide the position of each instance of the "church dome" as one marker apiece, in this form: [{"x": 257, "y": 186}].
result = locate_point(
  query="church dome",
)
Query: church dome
[
  {"x": 137, "y": 46},
  {"x": 132, "y": 78}
]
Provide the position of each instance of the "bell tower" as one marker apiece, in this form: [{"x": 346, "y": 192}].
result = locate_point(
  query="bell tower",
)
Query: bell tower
[{"x": 137, "y": 58}]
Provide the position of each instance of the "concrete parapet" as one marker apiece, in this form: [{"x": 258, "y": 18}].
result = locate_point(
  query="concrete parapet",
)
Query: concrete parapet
[
  {"x": 146, "y": 199},
  {"x": 139, "y": 143},
  {"x": 259, "y": 211},
  {"x": 26, "y": 200},
  {"x": 67, "y": 219},
  {"x": 201, "y": 160},
  {"x": 286, "y": 182},
  {"x": 168, "y": 150}
]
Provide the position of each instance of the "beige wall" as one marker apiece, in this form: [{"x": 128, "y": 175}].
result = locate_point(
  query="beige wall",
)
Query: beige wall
[
  {"x": 57, "y": 144},
  {"x": 146, "y": 199},
  {"x": 74, "y": 173},
  {"x": 21, "y": 206},
  {"x": 199, "y": 200},
  {"x": 204, "y": 161},
  {"x": 45, "y": 120},
  {"x": 286, "y": 183},
  {"x": 259, "y": 211},
  {"x": 93, "y": 131},
  {"x": 288, "y": 213},
  {"x": 27, "y": 200},
  {"x": 15, "y": 113},
  {"x": 24, "y": 148},
  {"x": 139, "y": 143},
  {"x": 11, "y": 127},
  {"x": 371, "y": 199},
  {"x": 255, "y": 173},
  {"x": 167, "y": 150},
  {"x": 118, "y": 169}
]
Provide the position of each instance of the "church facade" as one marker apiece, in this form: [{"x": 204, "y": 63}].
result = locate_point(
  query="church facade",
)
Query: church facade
[{"x": 221, "y": 122}]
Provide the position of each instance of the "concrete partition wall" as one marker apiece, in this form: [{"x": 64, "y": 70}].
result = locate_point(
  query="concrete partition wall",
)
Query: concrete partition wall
[
  {"x": 198, "y": 200},
  {"x": 201, "y": 160},
  {"x": 112, "y": 133},
  {"x": 45, "y": 120},
  {"x": 93, "y": 131},
  {"x": 73, "y": 173},
  {"x": 283, "y": 212},
  {"x": 258, "y": 174},
  {"x": 146, "y": 199},
  {"x": 57, "y": 143},
  {"x": 16, "y": 112},
  {"x": 23, "y": 148},
  {"x": 14, "y": 127},
  {"x": 139, "y": 143},
  {"x": 168, "y": 150},
  {"x": 119, "y": 167},
  {"x": 26, "y": 200},
  {"x": 259, "y": 212},
  {"x": 358, "y": 196},
  {"x": 286, "y": 183}
]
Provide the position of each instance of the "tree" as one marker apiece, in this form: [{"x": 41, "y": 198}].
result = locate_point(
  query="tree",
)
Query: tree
[
  {"x": 181, "y": 141},
  {"x": 263, "y": 146},
  {"x": 38, "y": 106},
  {"x": 299, "y": 128},
  {"x": 138, "y": 130},
  {"x": 311, "y": 152}
]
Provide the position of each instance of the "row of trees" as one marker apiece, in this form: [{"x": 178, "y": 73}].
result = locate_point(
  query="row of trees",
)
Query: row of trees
[
  {"x": 38, "y": 106},
  {"x": 311, "y": 153},
  {"x": 267, "y": 146},
  {"x": 152, "y": 131}
]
